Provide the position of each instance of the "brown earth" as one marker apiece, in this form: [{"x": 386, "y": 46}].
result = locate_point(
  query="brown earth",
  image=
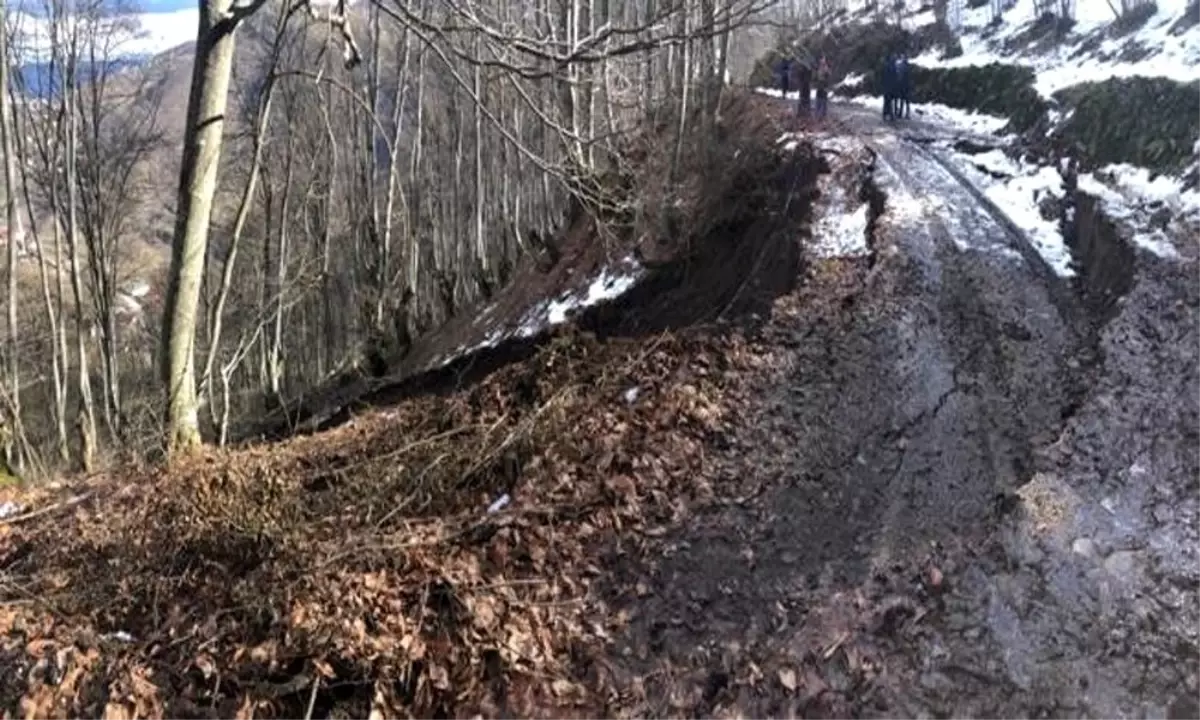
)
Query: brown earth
[
  {"x": 917, "y": 482},
  {"x": 357, "y": 570}
]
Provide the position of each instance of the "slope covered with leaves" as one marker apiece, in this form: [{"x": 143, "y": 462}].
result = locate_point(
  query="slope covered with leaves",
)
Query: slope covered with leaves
[{"x": 441, "y": 557}]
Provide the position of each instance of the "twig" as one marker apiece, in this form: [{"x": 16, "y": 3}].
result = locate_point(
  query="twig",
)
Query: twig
[
  {"x": 312, "y": 697},
  {"x": 833, "y": 647},
  {"x": 48, "y": 509}
]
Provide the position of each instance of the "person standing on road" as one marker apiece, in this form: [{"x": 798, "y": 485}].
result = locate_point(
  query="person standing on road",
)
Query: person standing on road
[
  {"x": 785, "y": 75},
  {"x": 823, "y": 76},
  {"x": 804, "y": 106},
  {"x": 889, "y": 87},
  {"x": 904, "y": 87}
]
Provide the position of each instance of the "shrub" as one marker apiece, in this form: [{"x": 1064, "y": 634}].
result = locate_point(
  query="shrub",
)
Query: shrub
[{"x": 1101, "y": 123}]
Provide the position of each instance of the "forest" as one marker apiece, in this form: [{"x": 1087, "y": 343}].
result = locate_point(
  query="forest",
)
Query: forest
[{"x": 195, "y": 240}]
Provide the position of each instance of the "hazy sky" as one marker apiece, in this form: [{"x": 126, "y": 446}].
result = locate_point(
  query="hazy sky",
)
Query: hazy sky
[{"x": 165, "y": 5}]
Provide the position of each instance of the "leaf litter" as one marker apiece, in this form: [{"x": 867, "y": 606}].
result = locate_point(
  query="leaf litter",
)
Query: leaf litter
[{"x": 452, "y": 555}]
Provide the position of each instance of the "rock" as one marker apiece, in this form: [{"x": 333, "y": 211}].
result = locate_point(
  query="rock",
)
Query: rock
[
  {"x": 1120, "y": 563},
  {"x": 787, "y": 678},
  {"x": 1050, "y": 207},
  {"x": 1085, "y": 547}
]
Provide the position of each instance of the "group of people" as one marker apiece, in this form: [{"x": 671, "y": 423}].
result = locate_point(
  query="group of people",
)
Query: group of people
[
  {"x": 896, "y": 88},
  {"x": 808, "y": 77}
]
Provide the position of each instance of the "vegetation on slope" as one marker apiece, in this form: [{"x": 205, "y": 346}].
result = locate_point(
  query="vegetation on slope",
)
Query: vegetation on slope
[
  {"x": 1150, "y": 122},
  {"x": 359, "y": 570}
]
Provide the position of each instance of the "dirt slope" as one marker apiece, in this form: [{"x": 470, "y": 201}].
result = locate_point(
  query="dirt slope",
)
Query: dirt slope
[
  {"x": 949, "y": 497},
  {"x": 359, "y": 568},
  {"x": 923, "y": 479}
]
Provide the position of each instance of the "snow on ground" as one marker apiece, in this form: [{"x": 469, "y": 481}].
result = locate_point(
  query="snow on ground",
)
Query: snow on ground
[
  {"x": 840, "y": 220},
  {"x": 1018, "y": 198},
  {"x": 972, "y": 122},
  {"x": 1088, "y": 54},
  {"x": 838, "y": 231},
  {"x": 1128, "y": 195},
  {"x": 609, "y": 284},
  {"x": 1018, "y": 192}
]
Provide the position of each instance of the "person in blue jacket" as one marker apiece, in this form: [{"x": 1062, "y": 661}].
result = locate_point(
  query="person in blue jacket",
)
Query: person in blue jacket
[
  {"x": 903, "y": 87},
  {"x": 889, "y": 87},
  {"x": 785, "y": 75}
]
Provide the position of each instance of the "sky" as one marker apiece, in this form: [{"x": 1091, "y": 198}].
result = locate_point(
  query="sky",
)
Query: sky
[{"x": 157, "y": 6}]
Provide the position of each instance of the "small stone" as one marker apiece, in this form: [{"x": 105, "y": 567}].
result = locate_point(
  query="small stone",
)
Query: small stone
[
  {"x": 1085, "y": 547},
  {"x": 1120, "y": 563},
  {"x": 787, "y": 678}
]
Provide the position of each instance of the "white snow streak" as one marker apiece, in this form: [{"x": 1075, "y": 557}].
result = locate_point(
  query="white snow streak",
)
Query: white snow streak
[{"x": 611, "y": 283}]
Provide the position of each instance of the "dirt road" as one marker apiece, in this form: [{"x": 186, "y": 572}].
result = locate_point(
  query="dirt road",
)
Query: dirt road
[{"x": 962, "y": 492}]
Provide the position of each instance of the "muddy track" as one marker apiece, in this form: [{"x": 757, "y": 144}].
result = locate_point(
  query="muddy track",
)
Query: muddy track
[{"x": 876, "y": 557}]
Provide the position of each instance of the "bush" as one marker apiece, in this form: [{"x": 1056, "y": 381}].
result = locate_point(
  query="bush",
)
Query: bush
[{"x": 1103, "y": 124}]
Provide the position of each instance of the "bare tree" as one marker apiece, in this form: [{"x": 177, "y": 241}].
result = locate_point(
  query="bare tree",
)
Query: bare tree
[
  {"x": 203, "y": 135},
  {"x": 15, "y": 237}
]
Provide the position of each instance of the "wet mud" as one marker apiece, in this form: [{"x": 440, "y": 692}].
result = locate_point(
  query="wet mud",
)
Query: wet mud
[{"x": 968, "y": 487}]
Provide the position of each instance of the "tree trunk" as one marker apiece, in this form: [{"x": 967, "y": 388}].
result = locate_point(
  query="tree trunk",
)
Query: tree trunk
[
  {"x": 15, "y": 233},
  {"x": 197, "y": 185}
]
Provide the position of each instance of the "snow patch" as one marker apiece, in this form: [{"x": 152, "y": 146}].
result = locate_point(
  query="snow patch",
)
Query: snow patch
[
  {"x": 1017, "y": 194},
  {"x": 838, "y": 233},
  {"x": 611, "y": 283},
  {"x": 840, "y": 220},
  {"x": 1131, "y": 195},
  {"x": 1018, "y": 198},
  {"x": 973, "y": 122},
  {"x": 1088, "y": 54}
]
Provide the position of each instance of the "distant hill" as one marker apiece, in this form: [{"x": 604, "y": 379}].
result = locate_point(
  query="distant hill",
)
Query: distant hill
[{"x": 39, "y": 82}]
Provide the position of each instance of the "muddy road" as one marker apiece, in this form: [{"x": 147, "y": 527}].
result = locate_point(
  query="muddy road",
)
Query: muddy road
[{"x": 966, "y": 489}]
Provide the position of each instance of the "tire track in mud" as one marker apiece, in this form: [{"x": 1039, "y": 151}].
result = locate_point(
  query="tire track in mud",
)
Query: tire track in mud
[{"x": 878, "y": 450}]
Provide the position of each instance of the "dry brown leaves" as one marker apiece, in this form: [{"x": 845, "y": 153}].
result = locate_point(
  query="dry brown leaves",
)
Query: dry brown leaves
[{"x": 359, "y": 569}]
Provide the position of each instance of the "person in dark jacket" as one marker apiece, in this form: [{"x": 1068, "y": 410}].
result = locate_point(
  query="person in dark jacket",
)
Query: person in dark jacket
[
  {"x": 804, "y": 106},
  {"x": 889, "y": 87},
  {"x": 785, "y": 76},
  {"x": 824, "y": 75},
  {"x": 903, "y": 88}
]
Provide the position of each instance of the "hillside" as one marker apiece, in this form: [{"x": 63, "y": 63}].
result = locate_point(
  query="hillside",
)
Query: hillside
[
  {"x": 1039, "y": 100},
  {"x": 653, "y": 361},
  {"x": 803, "y": 418}
]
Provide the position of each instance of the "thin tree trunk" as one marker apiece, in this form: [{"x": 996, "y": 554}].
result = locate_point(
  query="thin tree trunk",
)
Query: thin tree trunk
[
  {"x": 86, "y": 419},
  {"x": 275, "y": 365},
  {"x": 197, "y": 184},
  {"x": 480, "y": 253},
  {"x": 15, "y": 238},
  {"x": 262, "y": 119}
]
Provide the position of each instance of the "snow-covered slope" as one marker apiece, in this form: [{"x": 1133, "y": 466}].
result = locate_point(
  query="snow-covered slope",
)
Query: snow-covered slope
[
  {"x": 1158, "y": 212},
  {"x": 1164, "y": 46}
]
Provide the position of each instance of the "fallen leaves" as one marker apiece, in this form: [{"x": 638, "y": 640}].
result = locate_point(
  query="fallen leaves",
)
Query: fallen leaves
[
  {"x": 362, "y": 555},
  {"x": 787, "y": 678}
]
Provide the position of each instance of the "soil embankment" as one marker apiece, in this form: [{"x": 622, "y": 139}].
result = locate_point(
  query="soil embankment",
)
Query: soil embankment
[{"x": 360, "y": 568}]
